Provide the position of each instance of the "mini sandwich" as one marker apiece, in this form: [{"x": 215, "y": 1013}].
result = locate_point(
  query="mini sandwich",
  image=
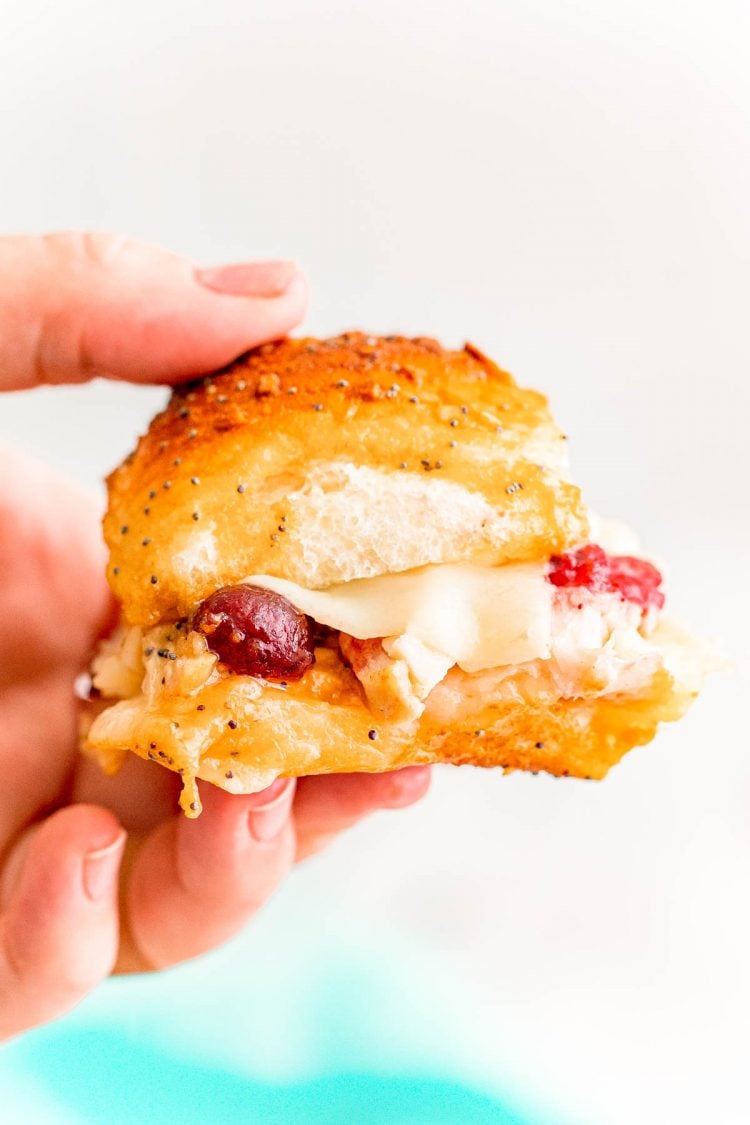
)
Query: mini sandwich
[{"x": 363, "y": 553}]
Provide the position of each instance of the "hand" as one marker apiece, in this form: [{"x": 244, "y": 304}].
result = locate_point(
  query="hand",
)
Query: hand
[{"x": 73, "y": 306}]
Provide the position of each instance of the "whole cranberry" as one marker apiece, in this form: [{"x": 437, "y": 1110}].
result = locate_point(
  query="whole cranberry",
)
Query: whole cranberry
[{"x": 256, "y": 632}]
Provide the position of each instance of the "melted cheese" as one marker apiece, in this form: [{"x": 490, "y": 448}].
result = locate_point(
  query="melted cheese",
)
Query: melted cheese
[{"x": 479, "y": 617}]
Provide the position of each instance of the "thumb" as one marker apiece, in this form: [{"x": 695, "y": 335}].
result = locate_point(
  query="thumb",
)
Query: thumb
[
  {"x": 59, "y": 933},
  {"x": 76, "y": 305}
]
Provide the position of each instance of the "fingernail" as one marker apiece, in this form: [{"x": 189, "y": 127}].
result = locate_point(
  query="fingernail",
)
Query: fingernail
[
  {"x": 267, "y": 820},
  {"x": 102, "y": 867},
  {"x": 249, "y": 279}
]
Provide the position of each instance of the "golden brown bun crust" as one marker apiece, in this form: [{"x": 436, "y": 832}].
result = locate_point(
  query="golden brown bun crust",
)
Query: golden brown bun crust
[{"x": 323, "y": 461}]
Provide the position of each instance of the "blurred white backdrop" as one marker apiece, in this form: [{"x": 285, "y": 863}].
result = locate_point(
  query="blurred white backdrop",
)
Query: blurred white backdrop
[{"x": 567, "y": 184}]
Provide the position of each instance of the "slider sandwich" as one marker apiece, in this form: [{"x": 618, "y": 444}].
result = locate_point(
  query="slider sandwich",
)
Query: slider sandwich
[{"x": 364, "y": 553}]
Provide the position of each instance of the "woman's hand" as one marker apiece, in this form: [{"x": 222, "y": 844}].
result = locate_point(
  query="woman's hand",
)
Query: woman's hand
[{"x": 98, "y": 872}]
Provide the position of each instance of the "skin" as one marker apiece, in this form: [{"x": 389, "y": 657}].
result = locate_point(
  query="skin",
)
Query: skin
[{"x": 103, "y": 874}]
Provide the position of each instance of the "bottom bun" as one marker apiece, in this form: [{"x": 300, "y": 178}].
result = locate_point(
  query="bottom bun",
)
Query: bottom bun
[{"x": 241, "y": 733}]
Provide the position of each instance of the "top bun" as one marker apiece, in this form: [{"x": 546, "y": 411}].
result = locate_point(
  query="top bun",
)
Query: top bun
[{"x": 325, "y": 461}]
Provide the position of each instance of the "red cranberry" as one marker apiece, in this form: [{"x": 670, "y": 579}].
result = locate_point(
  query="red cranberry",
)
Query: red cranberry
[
  {"x": 256, "y": 632},
  {"x": 588, "y": 566},
  {"x": 635, "y": 580}
]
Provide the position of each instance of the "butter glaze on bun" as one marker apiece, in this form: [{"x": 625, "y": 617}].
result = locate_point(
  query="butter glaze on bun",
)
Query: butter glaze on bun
[
  {"x": 350, "y": 440},
  {"x": 322, "y": 463}
]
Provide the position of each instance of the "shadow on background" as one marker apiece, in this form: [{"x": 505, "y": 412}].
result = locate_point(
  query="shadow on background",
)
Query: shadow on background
[{"x": 101, "y": 1075}]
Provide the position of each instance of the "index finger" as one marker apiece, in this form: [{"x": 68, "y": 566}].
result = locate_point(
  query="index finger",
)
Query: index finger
[{"x": 78, "y": 305}]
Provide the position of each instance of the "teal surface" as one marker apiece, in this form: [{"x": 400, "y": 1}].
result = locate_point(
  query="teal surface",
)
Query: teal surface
[
  {"x": 103, "y": 1076},
  {"x": 290, "y": 1024}
]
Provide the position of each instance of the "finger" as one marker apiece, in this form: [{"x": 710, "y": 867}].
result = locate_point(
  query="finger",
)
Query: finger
[
  {"x": 141, "y": 794},
  {"x": 326, "y": 806},
  {"x": 59, "y": 933},
  {"x": 55, "y": 597},
  {"x": 194, "y": 883},
  {"x": 76, "y": 305}
]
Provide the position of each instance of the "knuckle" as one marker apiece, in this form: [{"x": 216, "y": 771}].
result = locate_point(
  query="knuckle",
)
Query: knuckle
[
  {"x": 33, "y": 972},
  {"x": 97, "y": 248},
  {"x": 82, "y": 972},
  {"x": 311, "y": 844},
  {"x": 61, "y": 340},
  {"x": 101, "y": 247}
]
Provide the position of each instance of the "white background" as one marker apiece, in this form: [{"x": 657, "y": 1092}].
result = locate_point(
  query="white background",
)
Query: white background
[{"x": 567, "y": 184}]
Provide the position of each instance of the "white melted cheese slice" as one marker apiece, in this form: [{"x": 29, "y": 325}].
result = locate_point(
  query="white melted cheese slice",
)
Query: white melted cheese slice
[{"x": 479, "y": 617}]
